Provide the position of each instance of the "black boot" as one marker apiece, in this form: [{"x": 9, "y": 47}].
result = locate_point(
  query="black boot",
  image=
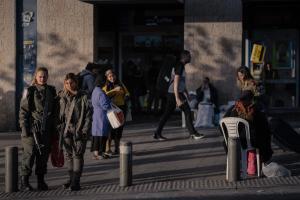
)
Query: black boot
[
  {"x": 68, "y": 183},
  {"x": 41, "y": 182},
  {"x": 75, "y": 185},
  {"x": 25, "y": 186}
]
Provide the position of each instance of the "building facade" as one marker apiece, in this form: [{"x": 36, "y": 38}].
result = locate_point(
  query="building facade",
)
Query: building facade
[{"x": 64, "y": 35}]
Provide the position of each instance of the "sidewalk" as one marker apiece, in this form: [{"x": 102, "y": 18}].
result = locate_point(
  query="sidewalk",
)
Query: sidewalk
[{"x": 179, "y": 168}]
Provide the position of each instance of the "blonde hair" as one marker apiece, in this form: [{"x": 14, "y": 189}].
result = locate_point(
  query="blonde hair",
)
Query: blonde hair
[{"x": 39, "y": 69}]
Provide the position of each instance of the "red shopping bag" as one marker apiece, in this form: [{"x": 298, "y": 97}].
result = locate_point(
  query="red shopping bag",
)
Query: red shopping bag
[{"x": 57, "y": 154}]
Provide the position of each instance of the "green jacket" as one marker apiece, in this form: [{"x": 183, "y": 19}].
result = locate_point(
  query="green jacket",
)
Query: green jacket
[
  {"x": 81, "y": 117},
  {"x": 32, "y": 107}
]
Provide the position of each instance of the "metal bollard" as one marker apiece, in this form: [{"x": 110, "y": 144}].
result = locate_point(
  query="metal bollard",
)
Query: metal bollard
[
  {"x": 11, "y": 169},
  {"x": 125, "y": 163},
  {"x": 233, "y": 159}
]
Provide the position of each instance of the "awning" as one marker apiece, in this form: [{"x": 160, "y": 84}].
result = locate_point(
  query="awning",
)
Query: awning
[{"x": 133, "y": 1}]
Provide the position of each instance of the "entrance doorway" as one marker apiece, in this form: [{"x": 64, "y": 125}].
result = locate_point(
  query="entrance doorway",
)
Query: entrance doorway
[{"x": 134, "y": 39}]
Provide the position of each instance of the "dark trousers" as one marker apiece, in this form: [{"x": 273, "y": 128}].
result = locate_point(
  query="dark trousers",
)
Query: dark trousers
[
  {"x": 116, "y": 134},
  {"x": 170, "y": 107},
  {"x": 99, "y": 144},
  {"x": 74, "y": 153},
  {"x": 261, "y": 135},
  {"x": 153, "y": 97}
]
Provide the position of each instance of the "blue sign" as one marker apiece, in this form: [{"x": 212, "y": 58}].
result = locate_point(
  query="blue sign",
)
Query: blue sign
[{"x": 29, "y": 26}]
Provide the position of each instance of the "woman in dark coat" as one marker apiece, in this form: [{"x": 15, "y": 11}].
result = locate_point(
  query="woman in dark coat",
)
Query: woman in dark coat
[
  {"x": 36, "y": 117},
  {"x": 74, "y": 123},
  {"x": 248, "y": 108}
]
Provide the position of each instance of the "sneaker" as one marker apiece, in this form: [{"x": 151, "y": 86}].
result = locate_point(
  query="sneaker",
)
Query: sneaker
[
  {"x": 108, "y": 153},
  {"x": 104, "y": 156},
  {"x": 95, "y": 157},
  {"x": 159, "y": 137},
  {"x": 197, "y": 136},
  {"x": 162, "y": 138}
]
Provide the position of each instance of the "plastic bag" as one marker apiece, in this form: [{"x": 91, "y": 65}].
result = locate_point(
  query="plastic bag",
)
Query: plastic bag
[
  {"x": 275, "y": 170},
  {"x": 115, "y": 117}
]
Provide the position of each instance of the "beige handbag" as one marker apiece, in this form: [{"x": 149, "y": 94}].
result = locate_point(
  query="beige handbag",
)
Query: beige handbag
[{"x": 115, "y": 116}]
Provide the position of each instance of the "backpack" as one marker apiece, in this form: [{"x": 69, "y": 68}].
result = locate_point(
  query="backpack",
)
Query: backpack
[
  {"x": 80, "y": 80},
  {"x": 165, "y": 75}
]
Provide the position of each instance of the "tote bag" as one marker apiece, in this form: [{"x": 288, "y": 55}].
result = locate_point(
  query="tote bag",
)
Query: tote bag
[{"x": 115, "y": 116}]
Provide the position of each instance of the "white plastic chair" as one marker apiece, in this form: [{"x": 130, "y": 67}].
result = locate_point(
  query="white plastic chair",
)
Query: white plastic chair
[{"x": 232, "y": 126}]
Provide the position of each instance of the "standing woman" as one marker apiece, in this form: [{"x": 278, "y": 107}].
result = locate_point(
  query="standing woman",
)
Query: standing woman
[
  {"x": 36, "y": 120},
  {"x": 100, "y": 125},
  {"x": 74, "y": 123},
  {"x": 118, "y": 93}
]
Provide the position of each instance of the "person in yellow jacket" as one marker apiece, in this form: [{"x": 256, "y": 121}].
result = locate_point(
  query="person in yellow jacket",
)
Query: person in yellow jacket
[{"x": 118, "y": 93}]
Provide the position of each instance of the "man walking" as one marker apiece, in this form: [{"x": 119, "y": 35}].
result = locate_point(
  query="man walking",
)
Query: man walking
[{"x": 176, "y": 97}]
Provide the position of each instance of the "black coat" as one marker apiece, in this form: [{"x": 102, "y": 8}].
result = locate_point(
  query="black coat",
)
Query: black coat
[{"x": 213, "y": 95}]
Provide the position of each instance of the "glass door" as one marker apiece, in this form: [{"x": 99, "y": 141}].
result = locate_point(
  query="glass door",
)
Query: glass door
[{"x": 279, "y": 72}]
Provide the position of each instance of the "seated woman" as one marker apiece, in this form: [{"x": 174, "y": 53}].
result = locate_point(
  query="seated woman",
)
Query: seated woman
[
  {"x": 208, "y": 104},
  {"x": 248, "y": 107}
]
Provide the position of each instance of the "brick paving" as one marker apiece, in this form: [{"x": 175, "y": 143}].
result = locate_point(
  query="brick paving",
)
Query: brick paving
[{"x": 179, "y": 168}]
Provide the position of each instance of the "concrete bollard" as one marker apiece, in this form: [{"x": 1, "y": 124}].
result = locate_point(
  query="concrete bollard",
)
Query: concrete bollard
[
  {"x": 11, "y": 169},
  {"x": 233, "y": 159},
  {"x": 125, "y": 163}
]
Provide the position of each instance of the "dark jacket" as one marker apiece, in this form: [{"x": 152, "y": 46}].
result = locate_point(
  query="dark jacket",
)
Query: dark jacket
[
  {"x": 81, "y": 117},
  {"x": 32, "y": 108},
  {"x": 213, "y": 95},
  {"x": 88, "y": 82}
]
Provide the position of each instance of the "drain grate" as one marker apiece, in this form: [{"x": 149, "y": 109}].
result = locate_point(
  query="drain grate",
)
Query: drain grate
[{"x": 161, "y": 186}]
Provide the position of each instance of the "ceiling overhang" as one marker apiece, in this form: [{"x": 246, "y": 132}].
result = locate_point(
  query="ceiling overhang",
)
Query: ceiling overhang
[{"x": 134, "y": 1}]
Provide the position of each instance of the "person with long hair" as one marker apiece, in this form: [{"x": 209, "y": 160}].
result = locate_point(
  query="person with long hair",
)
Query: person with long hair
[
  {"x": 74, "y": 123},
  {"x": 118, "y": 93},
  {"x": 100, "y": 125},
  {"x": 36, "y": 118},
  {"x": 248, "y": 107}
]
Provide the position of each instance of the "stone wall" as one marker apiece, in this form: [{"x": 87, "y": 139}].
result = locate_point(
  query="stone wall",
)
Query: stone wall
[
  {"x": 213, "y": 34},
  {"x": 7, "y": 65},
  {"x": 65, "y": 44},
  {"x": 65, "y": 37}
]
